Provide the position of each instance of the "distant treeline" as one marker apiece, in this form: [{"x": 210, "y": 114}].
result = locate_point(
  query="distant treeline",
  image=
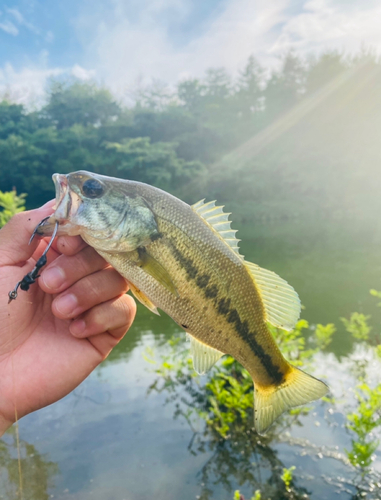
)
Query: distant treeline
[{"x": 302, "y": 139}]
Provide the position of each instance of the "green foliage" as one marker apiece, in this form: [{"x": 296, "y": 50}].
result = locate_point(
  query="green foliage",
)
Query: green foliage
[
  {"x": 324, "y": 335},
  {"x": 377, "y": 294},
  {"x": 238, "y": 496},
  {"x": 362, "y": 423},
  {"x": 357, "y": 326},
  {"x": 287, "y": 477},
  {"x": 230, "y": 396},
  {"x": 139, "y": 159},
  {"x": 11, "y": 203},
  {"x": 292, "y": 343},
  {"x": 78, "y": 103},
  {"x": 268, "y": 140}
]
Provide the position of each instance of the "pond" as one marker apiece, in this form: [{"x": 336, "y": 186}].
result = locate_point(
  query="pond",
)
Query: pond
[{"x": 125, "y": 434}]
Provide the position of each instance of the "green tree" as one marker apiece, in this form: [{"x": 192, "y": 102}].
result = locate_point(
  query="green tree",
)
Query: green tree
[
  {"x": 139, "y": 159},
  {"x": 74, "y": 102},
  {"x": 10, "y": 204}
]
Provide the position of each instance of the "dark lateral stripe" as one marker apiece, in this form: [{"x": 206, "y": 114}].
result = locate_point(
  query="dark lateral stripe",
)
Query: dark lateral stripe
[
  {"x": 156, "y": 236},
  {"x": 242, "y": 328},
  {"x": 211, "y": 292},
  {"x": 202, "y": 281},
  {"x": 224, "y": 308},
  {"x": 186, "y": 263}
]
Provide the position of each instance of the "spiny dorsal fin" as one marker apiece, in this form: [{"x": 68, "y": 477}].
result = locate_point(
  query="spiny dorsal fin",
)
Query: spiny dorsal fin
[
  {"x": 219, "y": 221},
  {"x": 203, "y": 356},
  {"x": 281, "y": 302}
]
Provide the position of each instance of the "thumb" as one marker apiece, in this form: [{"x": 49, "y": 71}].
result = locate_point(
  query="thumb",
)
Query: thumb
[{"x": 15, "y": 235}]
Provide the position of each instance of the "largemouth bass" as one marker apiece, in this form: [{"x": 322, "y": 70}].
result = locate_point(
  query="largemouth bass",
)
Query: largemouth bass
[{"x": 185, "y": 260}]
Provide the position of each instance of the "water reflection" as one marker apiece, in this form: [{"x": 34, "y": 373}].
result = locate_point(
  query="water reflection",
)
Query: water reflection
[
  {"x": 245, "y": 460},
  {"x": 37, "y": 472}
]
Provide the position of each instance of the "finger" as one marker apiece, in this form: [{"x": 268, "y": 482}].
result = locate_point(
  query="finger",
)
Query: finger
[
  {"x": 88, "y": 292},
  {"x": 104, "y": 342},
  {"x": 67, "y": 270},
  {"x": 15, "y": 235},
  {"x": 70, "y": 245},
  {"x": 114, "y": 316}
]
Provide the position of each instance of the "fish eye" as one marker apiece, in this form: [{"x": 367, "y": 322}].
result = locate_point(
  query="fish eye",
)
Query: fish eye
[{"x": 92, "y": 188}]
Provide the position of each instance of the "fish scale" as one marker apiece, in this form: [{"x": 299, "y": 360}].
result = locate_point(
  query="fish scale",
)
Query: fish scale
[{"x": 185, "y": 261}]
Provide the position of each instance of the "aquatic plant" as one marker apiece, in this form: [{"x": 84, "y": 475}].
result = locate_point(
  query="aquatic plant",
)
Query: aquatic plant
[
  {"x": 358, "y": 326},
  {"x": 223, "y": 399}
]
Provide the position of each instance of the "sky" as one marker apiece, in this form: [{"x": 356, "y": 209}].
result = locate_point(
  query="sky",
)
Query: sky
[{"x": 124, "y": 43}]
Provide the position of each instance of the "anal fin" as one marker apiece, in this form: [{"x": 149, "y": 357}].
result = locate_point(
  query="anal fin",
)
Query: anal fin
[
  {"x": 203, "y": 355},
  {"x": 143, "y": 299}
]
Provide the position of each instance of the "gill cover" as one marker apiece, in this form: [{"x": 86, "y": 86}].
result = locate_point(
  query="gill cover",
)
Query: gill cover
[{"x": 110, "y": 216}]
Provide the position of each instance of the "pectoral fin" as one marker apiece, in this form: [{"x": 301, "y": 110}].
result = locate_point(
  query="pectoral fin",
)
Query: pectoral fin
[
  {"x": 139, "y": 295},
  {"x": 203, "y": 356},
  {"x": 156, "y": 270}
]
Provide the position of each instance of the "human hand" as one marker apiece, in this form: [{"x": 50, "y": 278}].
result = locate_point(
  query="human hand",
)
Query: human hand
[{"x": 54, "y": 335}]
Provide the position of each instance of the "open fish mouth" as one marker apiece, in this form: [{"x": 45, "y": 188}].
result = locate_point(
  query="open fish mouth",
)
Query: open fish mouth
[
  {"x": 67, "y": 201},
  {"x": 61, "y": 185}
]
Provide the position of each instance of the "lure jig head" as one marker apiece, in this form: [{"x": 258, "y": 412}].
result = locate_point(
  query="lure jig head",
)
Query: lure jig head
[{"x": 31, "y": 277}]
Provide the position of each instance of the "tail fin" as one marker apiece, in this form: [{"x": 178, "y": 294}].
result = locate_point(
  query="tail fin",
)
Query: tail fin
[{"x": 298, "y": 389}]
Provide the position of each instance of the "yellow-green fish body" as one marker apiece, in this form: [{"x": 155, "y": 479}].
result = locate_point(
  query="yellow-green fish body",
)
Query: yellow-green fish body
[{"x": 185, "y": 261}]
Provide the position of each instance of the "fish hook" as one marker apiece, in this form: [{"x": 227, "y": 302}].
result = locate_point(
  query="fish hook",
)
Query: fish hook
[{"x": 31, "y": 277}]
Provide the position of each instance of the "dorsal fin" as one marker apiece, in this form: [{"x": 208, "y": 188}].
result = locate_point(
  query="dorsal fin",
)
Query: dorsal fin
[
  {"x": 219, "y": 221},
  {"x": 281, "y": 302}
]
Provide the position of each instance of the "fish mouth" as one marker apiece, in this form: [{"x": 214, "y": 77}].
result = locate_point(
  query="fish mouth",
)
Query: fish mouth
[
  {"x": 61, "y": 185},
  {"x": 67, "y": 201},
  {"x": 66, "y": 207}
]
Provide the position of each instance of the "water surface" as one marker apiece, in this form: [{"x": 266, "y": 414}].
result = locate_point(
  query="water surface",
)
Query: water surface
[{"x": 110, "y": 439}]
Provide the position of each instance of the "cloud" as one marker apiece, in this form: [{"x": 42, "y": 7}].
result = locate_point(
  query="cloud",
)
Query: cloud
[
  {"x": 329, "y": 25},
  {"x": 21, "y": 21},
  {"x": 81, "y": 73},
  {"x": 9, "y": 28},
  {"x": 17, "y": 15},
  {"x": 125, "y": 42},
  {"x": 26, "y": 86},
  {"x": 125, "y": 46}
]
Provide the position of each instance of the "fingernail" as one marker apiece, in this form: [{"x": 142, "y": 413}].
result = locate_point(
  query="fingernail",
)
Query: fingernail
[
  {"x": 53, "y": 277},
  {"x": 67, "y": 304},
  {"x": 77, "y": 327}
]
